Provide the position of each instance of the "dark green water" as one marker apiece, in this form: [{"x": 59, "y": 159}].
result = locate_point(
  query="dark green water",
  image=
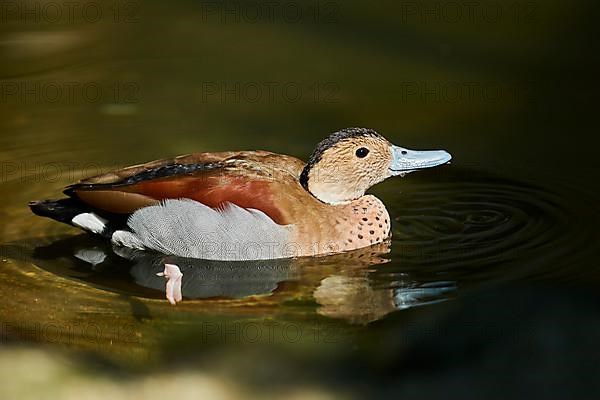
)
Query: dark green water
[{"x": 509, "y": 93}]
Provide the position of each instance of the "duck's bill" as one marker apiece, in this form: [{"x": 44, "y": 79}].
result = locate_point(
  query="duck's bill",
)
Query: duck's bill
[{"x": 406, "y": 160}]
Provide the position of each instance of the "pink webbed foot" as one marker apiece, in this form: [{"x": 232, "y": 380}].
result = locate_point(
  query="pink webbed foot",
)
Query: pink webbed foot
[{"x": 173, "y": 275}]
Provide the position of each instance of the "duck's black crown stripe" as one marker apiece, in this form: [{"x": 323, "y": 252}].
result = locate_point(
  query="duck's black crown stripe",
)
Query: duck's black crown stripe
[{"x": 329, "y": 142}]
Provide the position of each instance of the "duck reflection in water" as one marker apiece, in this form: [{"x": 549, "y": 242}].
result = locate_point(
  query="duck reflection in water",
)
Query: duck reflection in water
[
  {"x": 340, "y": 284},
  {"x": 346, "y": 286}
]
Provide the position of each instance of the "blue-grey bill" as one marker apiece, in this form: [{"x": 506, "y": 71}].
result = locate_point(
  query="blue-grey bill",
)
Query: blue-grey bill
[{"x": 406, "y": 160}]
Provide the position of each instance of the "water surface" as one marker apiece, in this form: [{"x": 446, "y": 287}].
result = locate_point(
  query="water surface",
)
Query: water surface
[{"x": 516, "y": 208}]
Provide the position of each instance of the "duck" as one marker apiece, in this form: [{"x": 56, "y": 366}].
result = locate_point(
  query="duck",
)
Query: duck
[{"x": 246, "y": 205}]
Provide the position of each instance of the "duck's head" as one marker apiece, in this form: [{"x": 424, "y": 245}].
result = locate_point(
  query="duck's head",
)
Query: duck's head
[{"x": 350, "y": 161}]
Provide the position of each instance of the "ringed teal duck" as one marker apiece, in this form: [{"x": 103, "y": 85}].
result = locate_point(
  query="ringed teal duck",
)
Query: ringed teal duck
[{"x": 243, "y": 205}]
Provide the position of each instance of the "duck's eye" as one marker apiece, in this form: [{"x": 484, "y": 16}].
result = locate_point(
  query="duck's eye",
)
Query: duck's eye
[{"x": 362, "y": 152}]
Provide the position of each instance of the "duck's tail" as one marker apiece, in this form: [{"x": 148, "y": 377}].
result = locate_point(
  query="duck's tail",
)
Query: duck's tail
[
  {"x": 74, "y": 212},
  {"x": 62, "y": 210}
]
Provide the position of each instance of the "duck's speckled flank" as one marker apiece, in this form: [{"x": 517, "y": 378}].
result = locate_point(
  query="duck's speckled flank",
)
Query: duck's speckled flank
[
  {"x": 359, "y": 223},
  {"x": 367, "y": 223}
]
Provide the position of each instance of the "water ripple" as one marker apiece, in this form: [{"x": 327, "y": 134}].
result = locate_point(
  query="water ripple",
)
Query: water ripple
[{"x": 477, "y": 223}]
